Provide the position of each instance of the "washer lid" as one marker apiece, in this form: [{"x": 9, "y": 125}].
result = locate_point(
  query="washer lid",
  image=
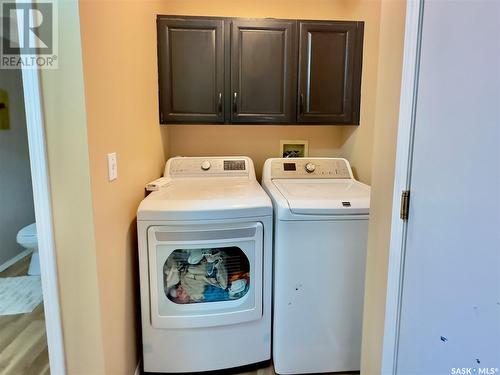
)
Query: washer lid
[
  {"x": 325, "y": 196},
  {"x": 205, "y": 199}
]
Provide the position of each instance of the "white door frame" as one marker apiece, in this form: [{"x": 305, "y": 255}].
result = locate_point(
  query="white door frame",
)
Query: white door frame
[
  {"x": 404, "y": 152},
  {"x": 43, "y": 215}
]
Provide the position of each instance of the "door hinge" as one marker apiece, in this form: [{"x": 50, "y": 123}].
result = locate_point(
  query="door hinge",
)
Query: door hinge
[{"x": 405, "y": 204}]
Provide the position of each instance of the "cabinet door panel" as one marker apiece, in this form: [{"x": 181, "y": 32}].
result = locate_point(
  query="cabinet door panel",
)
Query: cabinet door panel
[
  {"x": 191, "y": 69},
  {"x": 262, "y": 71},
  {"x": 330, "y": 72}
]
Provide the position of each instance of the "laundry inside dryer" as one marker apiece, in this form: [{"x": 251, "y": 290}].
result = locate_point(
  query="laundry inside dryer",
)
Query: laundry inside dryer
[{"x": 206, "y": 275}]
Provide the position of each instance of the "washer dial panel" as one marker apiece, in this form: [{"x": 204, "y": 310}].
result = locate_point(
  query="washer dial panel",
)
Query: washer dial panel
[{"x": 310, "y": 168}]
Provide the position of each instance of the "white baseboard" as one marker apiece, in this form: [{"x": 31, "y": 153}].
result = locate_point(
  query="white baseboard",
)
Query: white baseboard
[
  {"x": 138, "y": 368},
  {"x": 14, "y": 260}
]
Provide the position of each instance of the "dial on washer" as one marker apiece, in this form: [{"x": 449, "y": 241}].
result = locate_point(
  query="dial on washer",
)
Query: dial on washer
[
  {"x": 310, "y": 167},
  {"x": 206, "y": 165}
]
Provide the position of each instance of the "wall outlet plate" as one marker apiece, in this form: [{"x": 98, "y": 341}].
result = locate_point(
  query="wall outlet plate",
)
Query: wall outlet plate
[{"x": 294, "y": 149}]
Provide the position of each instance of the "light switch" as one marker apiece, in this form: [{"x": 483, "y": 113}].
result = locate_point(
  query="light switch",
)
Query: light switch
[{"x": 112, "y": 167}]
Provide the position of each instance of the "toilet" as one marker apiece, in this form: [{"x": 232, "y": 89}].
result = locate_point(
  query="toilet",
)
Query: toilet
[{"x": 27, "y": 238}]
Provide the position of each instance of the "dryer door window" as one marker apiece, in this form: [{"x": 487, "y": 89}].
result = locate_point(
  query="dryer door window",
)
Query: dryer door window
[{"x": 205, "y": 275}]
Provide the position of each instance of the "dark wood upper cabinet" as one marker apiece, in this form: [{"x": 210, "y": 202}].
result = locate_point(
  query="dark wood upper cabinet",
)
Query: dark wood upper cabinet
[
  {"x": 330, "y": 56},
  {"x": 191, "y": 69},
  {"x": 263, "y": 71},
  {"x": 234, "y": 70}
]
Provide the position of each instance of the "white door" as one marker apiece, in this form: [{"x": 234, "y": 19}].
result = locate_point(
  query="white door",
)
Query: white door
[
  {"x": 450, "y": 311},
  {"x": 205, "y": 275}
]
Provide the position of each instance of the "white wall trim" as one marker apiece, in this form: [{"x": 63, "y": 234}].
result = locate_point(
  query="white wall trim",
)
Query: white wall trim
[
  {"x": 43, "y": 215},
  {"x": 138, "y": 370},
  {"x": 15, "y": 259},
  {"x": 404, "y": 150}
]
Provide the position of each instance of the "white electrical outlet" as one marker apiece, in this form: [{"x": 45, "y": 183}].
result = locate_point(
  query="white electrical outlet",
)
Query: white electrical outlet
[{"x": 112, "y": 167}]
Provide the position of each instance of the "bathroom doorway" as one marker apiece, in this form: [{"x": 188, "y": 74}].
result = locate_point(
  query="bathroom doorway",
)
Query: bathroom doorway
[
  {"x": 30, "y": 323},
  {"x": 23, "y": 341}
]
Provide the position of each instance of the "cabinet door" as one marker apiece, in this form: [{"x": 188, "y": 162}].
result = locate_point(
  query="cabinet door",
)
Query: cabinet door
[
  {"x": 263, "y": 70},
  {"x": 330, "y": 55},
  {"x": 191, "y": 70}
]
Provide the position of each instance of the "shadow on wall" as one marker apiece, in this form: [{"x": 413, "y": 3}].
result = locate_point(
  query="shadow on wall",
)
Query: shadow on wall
[
  {"x": 348, "y": 133},
  {"x": 134, "y": 297}
]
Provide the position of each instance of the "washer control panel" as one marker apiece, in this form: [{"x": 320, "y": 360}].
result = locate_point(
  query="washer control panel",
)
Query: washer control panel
[
  {"x": 198, "y": 166},
  {"x": 310, "y": 168}
]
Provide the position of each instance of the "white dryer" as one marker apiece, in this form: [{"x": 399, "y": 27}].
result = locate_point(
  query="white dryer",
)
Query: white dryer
[
  {"x": 205, "y": 257},
  {"x": 321, "y": 229}
]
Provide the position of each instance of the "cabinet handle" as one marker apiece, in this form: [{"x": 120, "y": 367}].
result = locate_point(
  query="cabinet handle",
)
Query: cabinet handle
[
  {"x": 219, "y": 105},
  {"x": 235, "y": 102},
  {"x": 301, "y": 104}
]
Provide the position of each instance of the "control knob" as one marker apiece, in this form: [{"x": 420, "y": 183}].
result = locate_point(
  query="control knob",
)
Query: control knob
[
  {"x": 310, "y": 167},
  {"x": 206, "y": 165}
]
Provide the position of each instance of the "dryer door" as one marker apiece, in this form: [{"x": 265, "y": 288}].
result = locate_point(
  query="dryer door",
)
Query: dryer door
[{"x": 205, "y": 275}]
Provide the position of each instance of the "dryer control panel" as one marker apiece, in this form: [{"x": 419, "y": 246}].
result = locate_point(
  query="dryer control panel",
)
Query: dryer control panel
[
  {"x": 209, "y": 166},
  {"x": 311, "y": 168}
]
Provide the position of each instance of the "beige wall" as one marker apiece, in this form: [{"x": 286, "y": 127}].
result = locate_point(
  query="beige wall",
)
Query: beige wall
[
  {"x": 261, "y": 142},
  {"x": 384, "y": 151},
  {"x": 66, "y": 130},
  {"x": 119, "y": 63}
]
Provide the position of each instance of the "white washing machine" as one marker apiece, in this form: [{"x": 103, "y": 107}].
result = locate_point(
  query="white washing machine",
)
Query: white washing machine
[
  {"x": 205, "y": 257},
  {"x": 321, "y": 230}
]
